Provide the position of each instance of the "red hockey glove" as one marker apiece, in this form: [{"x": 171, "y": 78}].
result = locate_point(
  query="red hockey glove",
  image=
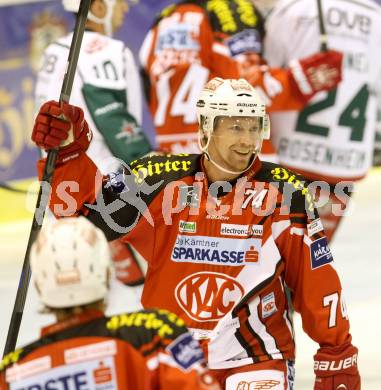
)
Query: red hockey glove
[
  {"x": 61, "y": 126},
  {"x": 319, "y": 72},
  {"x": 336, "y": 368}
]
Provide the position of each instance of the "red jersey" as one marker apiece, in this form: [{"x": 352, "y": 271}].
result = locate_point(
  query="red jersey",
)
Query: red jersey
[
  {"x": 220, "y": 258},
  {"x": 141, "y": 350},
  {"x": 191, "y": 43}
]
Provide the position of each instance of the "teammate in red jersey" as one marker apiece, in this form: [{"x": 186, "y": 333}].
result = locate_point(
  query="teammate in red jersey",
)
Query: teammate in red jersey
[
  {"x": 223, "y": 234},
  {"x": 148, "y": 349},
  {"x": 195, "y": 40}
]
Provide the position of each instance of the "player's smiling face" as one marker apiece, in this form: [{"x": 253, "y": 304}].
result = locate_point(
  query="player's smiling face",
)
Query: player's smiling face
[{"x": 234, "y": 140}]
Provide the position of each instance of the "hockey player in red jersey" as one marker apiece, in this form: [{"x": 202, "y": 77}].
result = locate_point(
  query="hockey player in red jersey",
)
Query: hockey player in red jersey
[
  {"x": 195, "y": 40},
  {"x": 223, "y": 234},
  {"x": 84, "y": 349}
]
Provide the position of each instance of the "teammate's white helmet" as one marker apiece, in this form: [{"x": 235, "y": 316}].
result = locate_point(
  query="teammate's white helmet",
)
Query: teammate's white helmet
[
  {"x": 228, "y": 97},
  {"x": 70, "y": 262},
  {"x": 73, "y": 6}
]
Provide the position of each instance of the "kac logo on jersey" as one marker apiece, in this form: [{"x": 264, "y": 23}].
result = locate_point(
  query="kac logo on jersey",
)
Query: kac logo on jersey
[
  {"x": 268, "y": 305},
  {"x": 320, "y": 253},
  {"x": 208, "y": 296},
  {"x": 186, "y": 351}
]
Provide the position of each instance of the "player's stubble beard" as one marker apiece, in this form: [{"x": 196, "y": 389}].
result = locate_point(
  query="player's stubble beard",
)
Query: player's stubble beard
[{"x": 236, "y": 157}]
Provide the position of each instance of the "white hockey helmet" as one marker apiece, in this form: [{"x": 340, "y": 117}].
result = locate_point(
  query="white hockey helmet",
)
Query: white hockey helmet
[
  {"x": 228, "y": 97},
  {"x": 73, "y": 6},
  {"x": 70, "y": 263}
]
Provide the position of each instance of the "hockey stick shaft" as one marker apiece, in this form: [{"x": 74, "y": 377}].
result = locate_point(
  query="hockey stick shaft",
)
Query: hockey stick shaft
[
  {"x": 44, "y": 191},
  {"x": 323, "y": 34}
]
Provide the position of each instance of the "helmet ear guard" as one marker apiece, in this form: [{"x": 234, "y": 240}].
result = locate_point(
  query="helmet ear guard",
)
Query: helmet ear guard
[{"x": 204, "y": 133}]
